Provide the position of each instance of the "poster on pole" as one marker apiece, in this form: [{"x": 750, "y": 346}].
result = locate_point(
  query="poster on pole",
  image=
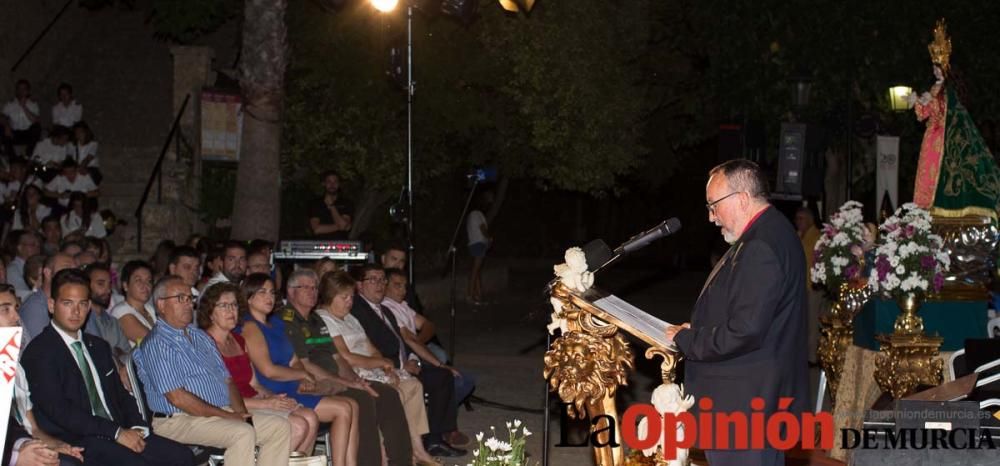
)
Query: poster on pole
[
  {"x": 887, "y": 172},
  {"x": 221, "y": 125},
  {"x": 10, "y": 339}
]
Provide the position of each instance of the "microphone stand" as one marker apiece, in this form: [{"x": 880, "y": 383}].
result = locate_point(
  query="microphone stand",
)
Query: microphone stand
[{"x": 454, "y": 257}]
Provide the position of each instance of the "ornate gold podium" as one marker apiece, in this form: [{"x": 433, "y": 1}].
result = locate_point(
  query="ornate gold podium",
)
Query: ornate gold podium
[{"x": 587, "y": 363}]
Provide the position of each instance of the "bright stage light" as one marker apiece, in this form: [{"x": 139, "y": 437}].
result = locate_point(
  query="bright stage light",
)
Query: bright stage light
[{"x": 384, "y": 5}]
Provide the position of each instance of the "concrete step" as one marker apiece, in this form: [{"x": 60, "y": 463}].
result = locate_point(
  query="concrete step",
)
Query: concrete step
[{"x": 124, "y": 189}]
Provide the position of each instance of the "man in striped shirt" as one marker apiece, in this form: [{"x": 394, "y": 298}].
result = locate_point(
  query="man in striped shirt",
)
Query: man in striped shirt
[{"x": 190, "y": 392}]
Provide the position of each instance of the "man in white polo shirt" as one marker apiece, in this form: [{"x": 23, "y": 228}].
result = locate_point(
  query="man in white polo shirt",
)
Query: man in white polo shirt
[
  {"x": 50, "y": 153},
  {"x": 66, "y": 112},
  {"x": 20, "y": 119},
  {"x": 70, "y": 180}
]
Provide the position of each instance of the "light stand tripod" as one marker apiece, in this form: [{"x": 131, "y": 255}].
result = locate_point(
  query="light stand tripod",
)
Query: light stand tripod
[{"x": 476, "y": 179}]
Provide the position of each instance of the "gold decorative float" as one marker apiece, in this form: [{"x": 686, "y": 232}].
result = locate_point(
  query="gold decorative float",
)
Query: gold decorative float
[
  {"x": 908, "y": 358},
  {"x": 837, "y": 332}
]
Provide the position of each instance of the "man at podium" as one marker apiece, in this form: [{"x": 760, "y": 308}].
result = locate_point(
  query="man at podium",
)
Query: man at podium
[{"x": 747, "y": 335}]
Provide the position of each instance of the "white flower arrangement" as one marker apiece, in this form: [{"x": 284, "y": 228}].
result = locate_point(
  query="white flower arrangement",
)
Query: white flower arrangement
[
  {"x": 839, "y": 253},
  {"x": 909, "y": 259},
  {"x": 495, "y": 452}
]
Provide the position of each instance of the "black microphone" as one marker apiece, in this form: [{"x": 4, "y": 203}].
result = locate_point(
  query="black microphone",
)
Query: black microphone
[
  {"x": 597, "y": 253},
  {"x": 667, "y": 228}
]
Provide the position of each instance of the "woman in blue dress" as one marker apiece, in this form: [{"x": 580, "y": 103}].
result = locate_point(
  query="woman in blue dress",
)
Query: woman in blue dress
[{"x": 279, "y": 370}]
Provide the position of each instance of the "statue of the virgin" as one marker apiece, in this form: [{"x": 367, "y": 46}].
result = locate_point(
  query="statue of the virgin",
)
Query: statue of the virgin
[{"x": 957, "y": 175}]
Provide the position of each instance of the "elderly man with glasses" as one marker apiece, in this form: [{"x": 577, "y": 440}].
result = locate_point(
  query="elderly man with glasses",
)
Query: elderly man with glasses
[
  {"x": 747, "y": 336},
  {"x": 190, "y": 392}
]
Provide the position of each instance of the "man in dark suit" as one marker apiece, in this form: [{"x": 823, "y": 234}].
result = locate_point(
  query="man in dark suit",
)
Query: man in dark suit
[
  {"x": 20, "y": 447},
  {"x": 382, "y": 329},
  {"x": 747, "y": 336},
  {"x": 76, "y": 392}
]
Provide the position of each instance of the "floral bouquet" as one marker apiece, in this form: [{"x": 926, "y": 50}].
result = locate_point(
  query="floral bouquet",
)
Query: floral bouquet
[
  {"x": 839, "y": 253},
  {"x": 910, "y": 260},
  {"x": 495, "y": 452}
]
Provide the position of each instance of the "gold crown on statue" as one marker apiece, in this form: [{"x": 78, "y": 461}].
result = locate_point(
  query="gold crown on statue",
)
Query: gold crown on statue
[{"x": 940, "y": 49}]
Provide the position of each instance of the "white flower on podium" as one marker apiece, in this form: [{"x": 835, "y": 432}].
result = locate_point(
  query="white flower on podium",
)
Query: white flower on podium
[{"x": 668, "y": 398}]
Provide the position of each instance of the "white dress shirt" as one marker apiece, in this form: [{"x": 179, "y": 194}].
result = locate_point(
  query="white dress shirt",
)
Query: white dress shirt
[
  {"x": 19, "y": 120},
  {"x": 67, "y": 115},
  {"x": 69, "y": 340}
]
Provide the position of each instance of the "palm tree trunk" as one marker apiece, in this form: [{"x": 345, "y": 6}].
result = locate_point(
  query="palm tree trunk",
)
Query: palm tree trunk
[{"x": 264, "y": 58}]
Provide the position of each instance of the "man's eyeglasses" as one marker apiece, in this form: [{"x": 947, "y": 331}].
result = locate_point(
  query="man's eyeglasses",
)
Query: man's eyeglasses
[
  {"x": 181, "y": 298},
  {"x": 711, "y": 205},
  {"x": 303, "y": 287},
  {"x": 376, "y": 280}
]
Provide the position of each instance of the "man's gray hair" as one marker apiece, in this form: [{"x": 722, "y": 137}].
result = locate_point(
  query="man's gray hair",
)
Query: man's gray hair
[
  {"x": 743, "y": 175},
  {"x": 293, "y": 279},
  {"x": 160, "y": 290}
]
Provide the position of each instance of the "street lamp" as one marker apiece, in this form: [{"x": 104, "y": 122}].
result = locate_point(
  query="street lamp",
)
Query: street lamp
[
  {"x": 897, "y": 98},
  {"x": 384, "y": 6}
]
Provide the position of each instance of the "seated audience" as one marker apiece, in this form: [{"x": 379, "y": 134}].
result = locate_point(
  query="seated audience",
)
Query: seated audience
[
  {"x": 192, "y": 395},
  {"x": 20, "y": 120},
  {"x": 35, "y": 311},
  {"x": 412, "y": 325},
  {"x": 136, "y": 313},
  {"x": 81, "y": 218},
  {"x": 259, "y": 254},
  {"x": 69, "y": 181},
  {"x": 160, "y": 259},
  {"x": 51, "y": 235},
  {"x": 324, "y": 266},
  {"x": 224, "y": 298},
  {"x": 383, "y": 331},
  {"x": 32, "y": 275},
  {"x": 25, "y": 244},
  {"x": 83, "y": 148},
  {"x": 336, "y": 293},
  {"x": 66, "y": 112},
  {"x": 379, "y": 407},
  {"x": 217, "y": 315},
  {"x": 234, "y": 265},
  {"x": 101, "y": 323},
  {"x": 76, "y": 393},
  {"x": 394, "y": 257},
  {"x": 50, "y": 153},
  {"x": 258, "y": 262},
  {"x": 211, "y": 266},
  {"x": 185, "y": 263},
  {"x": 72, "y": 244},
  {"x": 30, "y": 210}
]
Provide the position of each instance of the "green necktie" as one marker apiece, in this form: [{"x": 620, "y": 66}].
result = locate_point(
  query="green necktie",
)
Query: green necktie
[{"x": 88, "y": 378}]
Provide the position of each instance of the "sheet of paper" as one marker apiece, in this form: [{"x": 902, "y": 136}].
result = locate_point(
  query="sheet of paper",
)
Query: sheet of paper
[{"x": 637, "y": 318}]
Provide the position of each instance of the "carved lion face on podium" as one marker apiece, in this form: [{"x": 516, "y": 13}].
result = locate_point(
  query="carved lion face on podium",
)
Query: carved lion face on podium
[{"x": 585, "y": 368}]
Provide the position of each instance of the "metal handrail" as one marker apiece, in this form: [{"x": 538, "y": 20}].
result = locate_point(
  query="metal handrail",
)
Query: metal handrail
[{"x": 155, "y": 175}]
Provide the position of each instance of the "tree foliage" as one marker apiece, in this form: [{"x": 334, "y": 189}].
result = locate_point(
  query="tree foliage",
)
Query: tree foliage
[
  {"x": 186, "y": 20},
  {"x": 573, "y": 73}
]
